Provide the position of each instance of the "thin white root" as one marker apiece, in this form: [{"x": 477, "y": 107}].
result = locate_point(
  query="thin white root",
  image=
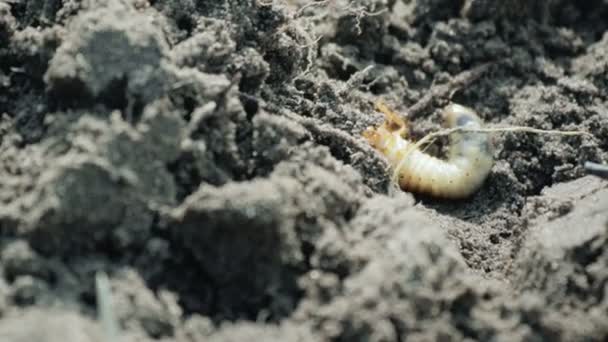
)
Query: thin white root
[
  {"x": 355, "y": 80},
  {"x": 311, "y": 4},
  {"x": 311, "y": 41},
  {"x": 429, "y": 138}
]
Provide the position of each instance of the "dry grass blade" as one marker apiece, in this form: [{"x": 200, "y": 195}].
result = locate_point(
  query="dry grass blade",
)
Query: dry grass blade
[{"x": 105, "y": 308}]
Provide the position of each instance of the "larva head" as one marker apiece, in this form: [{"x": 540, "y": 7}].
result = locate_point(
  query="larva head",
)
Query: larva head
[
  {"x": 373, "y": 136},
  {"x": 455, "y": 115},
  {"x": 393, "y": 122},
  {"x": 392, "y": 125}
]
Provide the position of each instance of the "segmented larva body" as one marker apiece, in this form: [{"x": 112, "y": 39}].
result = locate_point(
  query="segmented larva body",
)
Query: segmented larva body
[{"x": 469, "y": 160}]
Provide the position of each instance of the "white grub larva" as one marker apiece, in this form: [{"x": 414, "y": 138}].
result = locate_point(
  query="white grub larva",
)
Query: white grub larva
[{"x": 468, "y": 163}]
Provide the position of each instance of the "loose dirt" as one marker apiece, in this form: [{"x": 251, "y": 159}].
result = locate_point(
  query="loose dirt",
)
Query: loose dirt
[{"x": 207, "y": 155}]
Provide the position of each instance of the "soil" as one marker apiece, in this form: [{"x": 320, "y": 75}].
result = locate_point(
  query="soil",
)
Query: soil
[{"x": 207, "y": 155}]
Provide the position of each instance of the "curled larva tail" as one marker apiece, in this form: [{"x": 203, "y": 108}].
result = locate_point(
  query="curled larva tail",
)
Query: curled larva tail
[{"x": 469, "y": 161}]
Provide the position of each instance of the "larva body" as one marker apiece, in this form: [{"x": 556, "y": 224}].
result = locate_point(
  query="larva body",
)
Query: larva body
[{"x": 468, "y": 163}]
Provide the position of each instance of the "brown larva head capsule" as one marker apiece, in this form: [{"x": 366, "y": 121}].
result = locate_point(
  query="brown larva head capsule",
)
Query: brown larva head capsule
[
  {"x": 392, "y": 125},
  {"x": 373, "y": 136}
]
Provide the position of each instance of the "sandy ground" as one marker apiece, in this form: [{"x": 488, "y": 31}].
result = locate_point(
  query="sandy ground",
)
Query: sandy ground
[{"x": 208, "y": 156}]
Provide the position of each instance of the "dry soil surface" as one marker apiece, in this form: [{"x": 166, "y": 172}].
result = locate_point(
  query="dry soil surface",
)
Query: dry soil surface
[{"x": 207, "y": 155}]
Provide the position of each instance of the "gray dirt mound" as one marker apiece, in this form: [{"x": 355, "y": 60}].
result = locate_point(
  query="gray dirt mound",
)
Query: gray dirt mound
[
  {"x": 208, "y": 156},
  {"x": 49, "y": 325},
  {"x": 573, "y": 259},
  {"x": 118, "y": 36},
  {"x": 97, "y": 188},
  {"x": 271, "y": 225}
]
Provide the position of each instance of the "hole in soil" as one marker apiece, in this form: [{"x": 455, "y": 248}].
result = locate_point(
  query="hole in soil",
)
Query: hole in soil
[
  {"x": 250, "y": 104},
  {"x": 245, "y": 297},
  {"x": 185, "y": 23},
  {"x": 114, "y": 95}
]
